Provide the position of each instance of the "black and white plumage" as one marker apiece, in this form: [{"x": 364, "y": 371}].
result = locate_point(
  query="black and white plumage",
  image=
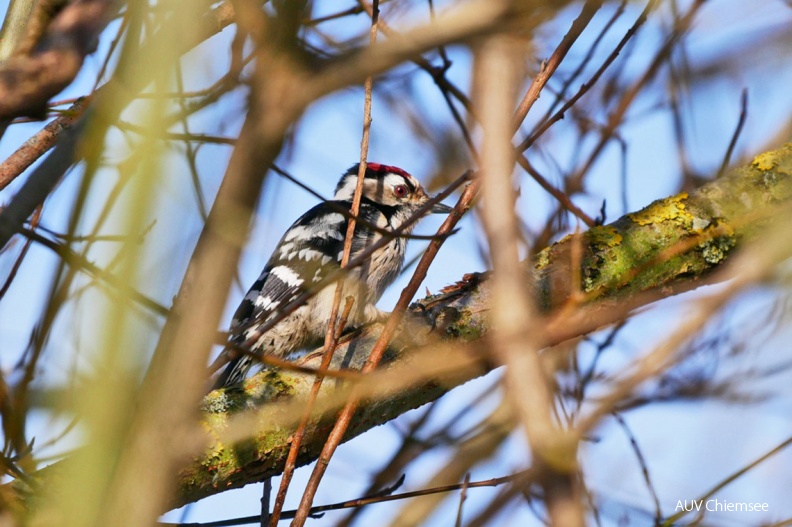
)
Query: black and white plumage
[{"x": 310, "y": 250}]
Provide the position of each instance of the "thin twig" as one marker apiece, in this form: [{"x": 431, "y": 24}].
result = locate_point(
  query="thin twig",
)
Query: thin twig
[
  {"x": 549, "y": 67},
  {"x": 438, "y": 74},
  {"x": 109, "y": 55},
  {"x": 559, "y": 115},
  {"x": 736, "y": 134},
  {"x": 75, "y": 260},
  {"x": 360, "y": 502},
  {"x": 331, "y": 340},
  {"x": 674, "y": 520},
  {"x": 344, "y": 419},
  {"x": 642, "y": 462},
  {"x": 176, "y": 136},
  {"x": 355, "y": 10},
  {"x": 561, "y": 197},
  {"x": 190, "y": 151},
  {"x": 297, "y": 437},
  {"x": 462, "y": 498},
  {"x": 616, "y": 117},
  {"x": 21, "y": 257},
  {"x": 264, "y": 517},
  {"x": 40, "y": 143}
]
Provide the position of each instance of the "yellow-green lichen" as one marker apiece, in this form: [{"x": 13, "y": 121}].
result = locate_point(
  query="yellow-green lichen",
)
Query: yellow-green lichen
[
  {"x": 765, "y": 161},
  {"x": 590, "y": 280},
  {"x": 723, "y": 240},
  {"x": 463, "y": 327},
  {"x": 267, "y": 385},
  {"x": 669, "y": 209},
  {"x": 604, "y": 236},
  {"x": 542, "y": 259},
  {"x": 778, "y": 160}
]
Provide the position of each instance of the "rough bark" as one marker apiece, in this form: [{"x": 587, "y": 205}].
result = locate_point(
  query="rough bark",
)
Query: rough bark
[{"x": 672, "y": 245}]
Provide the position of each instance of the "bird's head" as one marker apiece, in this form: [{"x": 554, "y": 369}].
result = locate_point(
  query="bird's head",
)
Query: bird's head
[{"x": 386, "y": 185}]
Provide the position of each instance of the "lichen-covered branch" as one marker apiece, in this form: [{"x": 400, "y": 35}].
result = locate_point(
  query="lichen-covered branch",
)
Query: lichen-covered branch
[
  {"x": 679, "y": 238},
  {"x": 592, "y": 279}
]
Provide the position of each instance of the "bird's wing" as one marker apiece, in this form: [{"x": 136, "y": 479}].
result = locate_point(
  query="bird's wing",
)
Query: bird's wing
[{"x": 309, "y": 251}]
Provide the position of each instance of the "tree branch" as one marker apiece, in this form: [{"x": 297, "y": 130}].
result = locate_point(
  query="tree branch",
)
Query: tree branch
[
  {"x": 671, "y": 246},
  {"x": 28, "y": 80}
]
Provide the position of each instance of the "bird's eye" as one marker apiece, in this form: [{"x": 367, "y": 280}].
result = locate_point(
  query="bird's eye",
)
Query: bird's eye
[{"x": 400, "y": 191}]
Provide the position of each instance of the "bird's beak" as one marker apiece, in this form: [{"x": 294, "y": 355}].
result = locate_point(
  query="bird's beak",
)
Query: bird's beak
[{"x": 439, "y": 208}]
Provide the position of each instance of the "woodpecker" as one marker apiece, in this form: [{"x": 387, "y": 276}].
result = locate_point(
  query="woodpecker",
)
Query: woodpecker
[{"x": 310, "y": 250}]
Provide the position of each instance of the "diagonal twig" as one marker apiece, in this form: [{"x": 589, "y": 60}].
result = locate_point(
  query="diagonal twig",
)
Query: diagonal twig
[{"x": 344, "y": 419}]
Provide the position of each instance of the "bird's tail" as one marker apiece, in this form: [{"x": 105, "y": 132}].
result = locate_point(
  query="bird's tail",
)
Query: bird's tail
[{"x": 235, "y": 372}]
